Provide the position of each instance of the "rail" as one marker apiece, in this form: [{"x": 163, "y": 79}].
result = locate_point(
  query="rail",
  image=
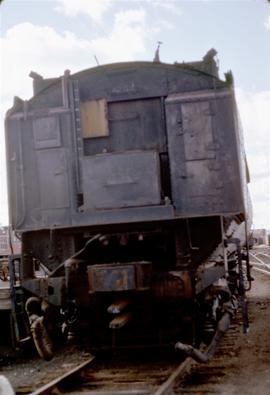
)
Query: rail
[
  {"x": 260, "y": 259},
  {"x": 51, "y": 387},
  {"x": 167, "y": 386},
  {"x": 162, "y": 380}
]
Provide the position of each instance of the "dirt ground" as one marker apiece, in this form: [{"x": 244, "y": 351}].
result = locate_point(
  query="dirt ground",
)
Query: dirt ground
[
  {"x": 242, "y": 365},
  {"x": 249, "y": 372},
  {"x": 28, "y": 374}
]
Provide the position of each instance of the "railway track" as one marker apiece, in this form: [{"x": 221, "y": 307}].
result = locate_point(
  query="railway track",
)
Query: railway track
[
  {"x": 149, "y": 373},
  {"x": 123, "y": 375},
  {"x": 51, "y": 386},
  {"x": 145, "y": 374},
  {"x": 36, "y": 376},
  {"x": 260, "y": 258}
]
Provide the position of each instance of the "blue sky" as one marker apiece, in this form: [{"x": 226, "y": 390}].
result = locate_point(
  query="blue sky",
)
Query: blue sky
[{"x": 49, "y": 36}]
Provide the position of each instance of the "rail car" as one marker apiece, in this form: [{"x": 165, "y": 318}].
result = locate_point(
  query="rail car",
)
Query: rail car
[
  {"x": 9, "y": 245},
  {"x": 128, "y": 185}
]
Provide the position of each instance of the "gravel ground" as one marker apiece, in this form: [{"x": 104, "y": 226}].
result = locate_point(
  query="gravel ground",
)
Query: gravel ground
[
  {"x": 244, "y": 367},
  {"x": 26, "y": 375},
  {"x": 250, "y": 368}
]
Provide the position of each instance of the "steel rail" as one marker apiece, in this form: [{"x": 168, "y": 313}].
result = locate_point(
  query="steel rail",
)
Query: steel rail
[
  {"x": 51, "y": 386},
  {"x": 258, "y": 269},
  {"x": 259, "y": 260},
  {"x": 166, "y": 387},
  {"x": 267, "y": 254},
  {"x": 259, "y": 265}
]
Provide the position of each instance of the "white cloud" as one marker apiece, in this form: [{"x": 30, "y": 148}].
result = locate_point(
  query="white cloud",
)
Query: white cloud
[
  {"x": 42, "y": 49},
  {"x": 171, "y": 6},
  {"x": 165, "y": 24},
  {"x": 127, "y": 38},
  {"x": 48, "y": 52},
  {"x": 92, "y": 8},
  {"x": 254, "y": 108},
  {"x": 267, "y": 23},
  {"x": 254, "y": 112}
]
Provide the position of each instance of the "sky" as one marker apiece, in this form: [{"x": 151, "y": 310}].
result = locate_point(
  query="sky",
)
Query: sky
[{"x": 50, "y": 36}]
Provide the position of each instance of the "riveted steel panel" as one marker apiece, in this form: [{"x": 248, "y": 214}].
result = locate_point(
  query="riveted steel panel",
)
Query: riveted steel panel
[
  {"x": 133, "y": 125},
  {"x": 46, "y": 132},
  {"x": 197, "y": 123},
  {"x": 204, "y": 160},
  {"x": 121, "y": 180},
  {"x": 53, "y": 178}
]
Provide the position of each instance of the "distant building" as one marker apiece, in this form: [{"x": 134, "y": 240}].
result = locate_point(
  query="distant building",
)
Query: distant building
[
  {"x": 260, "y": 236},
  {"x": 9, "y": 243}
]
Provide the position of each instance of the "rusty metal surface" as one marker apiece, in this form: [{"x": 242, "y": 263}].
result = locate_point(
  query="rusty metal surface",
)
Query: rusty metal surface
[
  {"x": 119, "y": 277},
  {"x": 203, "y": 145},
  {"x": 51, "y": 289},
  {"x": 120, "y": 180},
  {"x": 121, "y": 320},
  {"x": 94, "y": 118},
  {"x": 108, "y": 278},
  {"x": 174, "y": 285}
]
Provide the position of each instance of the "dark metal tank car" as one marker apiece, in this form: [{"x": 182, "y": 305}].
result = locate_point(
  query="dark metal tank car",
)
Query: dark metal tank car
[{"x": 127, "y": 183}]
